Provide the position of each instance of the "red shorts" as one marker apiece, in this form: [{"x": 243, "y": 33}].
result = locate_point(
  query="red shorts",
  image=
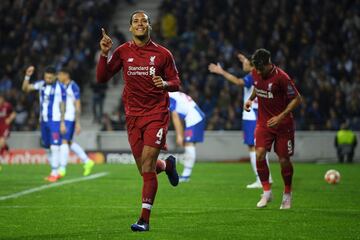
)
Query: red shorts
[
  {"x": 283, "y": 139},
  {"x": 147, "y": 130},
  {"x": 4, "y": 132}
]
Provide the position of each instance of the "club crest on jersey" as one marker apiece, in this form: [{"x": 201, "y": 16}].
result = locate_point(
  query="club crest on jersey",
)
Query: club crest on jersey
[
  {"x": 152, "y": 60},
  {"x": 269, "y": 87},
  {"x": 130, "y": 59}
]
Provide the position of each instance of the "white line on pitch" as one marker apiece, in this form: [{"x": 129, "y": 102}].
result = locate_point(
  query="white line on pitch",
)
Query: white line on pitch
[{"x": 52, "y": 185}]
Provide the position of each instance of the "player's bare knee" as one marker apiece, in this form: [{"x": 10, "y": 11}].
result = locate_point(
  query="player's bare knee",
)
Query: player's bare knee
[{"x": 147, "y": 166}]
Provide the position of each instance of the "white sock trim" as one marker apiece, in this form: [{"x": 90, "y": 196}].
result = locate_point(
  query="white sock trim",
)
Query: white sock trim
[{"x": 147, "y": 206}]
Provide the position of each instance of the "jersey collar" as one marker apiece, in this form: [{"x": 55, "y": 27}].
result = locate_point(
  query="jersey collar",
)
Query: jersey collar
[{"x": 133, "y": 44}]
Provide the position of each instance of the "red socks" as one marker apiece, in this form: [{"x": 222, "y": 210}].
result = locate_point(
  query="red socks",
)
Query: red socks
[
  {"x": 263, "y": 172},
  {"x": 150, "y": 185},
  {"x": 160, "y": 166},
  {"x": 287, "y": 173}
]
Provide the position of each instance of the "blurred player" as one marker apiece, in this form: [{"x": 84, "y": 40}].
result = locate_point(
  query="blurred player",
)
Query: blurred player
[
  {"x": 150, "y": 73},
  {"x": 277, "y": 98},
  {"x": 249, "y": 118},
  {"x": 7, "y": 116},
  {"x": 72, "y": 121},
  {"x": 52, "y": 113},
  {"x": 182, "y": 107}
]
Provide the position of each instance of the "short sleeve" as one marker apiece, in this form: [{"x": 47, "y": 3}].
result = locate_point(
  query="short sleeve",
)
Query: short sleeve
[
  {"x": 248, "y": 79},
  {"x": 38, "y": 84},
  {"x": 76, "y": 90},
  {"x": 172, "y": 106}
]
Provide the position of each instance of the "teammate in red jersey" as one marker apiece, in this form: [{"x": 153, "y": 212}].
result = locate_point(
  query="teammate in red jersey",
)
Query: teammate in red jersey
[
  {"x": 149, "y": 73},
  {"x": 277, "y": 98},
  {"x": 7, "y": 116}
]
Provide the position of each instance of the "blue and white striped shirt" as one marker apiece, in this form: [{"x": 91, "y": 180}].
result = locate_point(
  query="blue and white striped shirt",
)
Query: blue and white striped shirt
[
  {"x": 51, "y": 95},
  {"x": 187, "y": 109},
  {"x": 72, "y": 94}
]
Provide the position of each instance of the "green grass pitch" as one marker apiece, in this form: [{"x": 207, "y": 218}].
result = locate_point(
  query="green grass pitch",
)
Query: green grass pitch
[{"x": 214, "y": 205}]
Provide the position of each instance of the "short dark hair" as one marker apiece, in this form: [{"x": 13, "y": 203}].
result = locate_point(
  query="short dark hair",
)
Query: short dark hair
[
  {"x": 139, "y": 11},
  {"x": 65, "y": 70},
  {"x": 260, "y": 58},
  {"x": 50, "y": 69}
]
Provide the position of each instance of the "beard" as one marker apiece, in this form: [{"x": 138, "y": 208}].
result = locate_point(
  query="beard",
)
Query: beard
[{"x": 142, "y": 37}]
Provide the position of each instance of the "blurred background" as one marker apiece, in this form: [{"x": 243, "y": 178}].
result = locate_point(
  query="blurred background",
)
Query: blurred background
[{"x": 316, "y": 42}]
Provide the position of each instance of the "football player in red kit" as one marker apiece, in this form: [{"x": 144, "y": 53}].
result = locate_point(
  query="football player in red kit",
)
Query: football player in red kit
[
  {"x": 277, "y": 98},
  {"x": 7, "y": 116},
  {"x": 149, "y": 73}
]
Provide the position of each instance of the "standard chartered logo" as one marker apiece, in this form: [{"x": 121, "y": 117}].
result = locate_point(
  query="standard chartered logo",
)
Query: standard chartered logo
[
  {"x": 141, "y": 71},
  {"x": 263, "y": 93}
]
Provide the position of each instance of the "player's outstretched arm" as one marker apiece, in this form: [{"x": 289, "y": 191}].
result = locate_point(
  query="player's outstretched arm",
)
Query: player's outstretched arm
[
  {"x": 11, "y": 118},
  {"x": 179, "y": 129},
  {"x": 246, "y": 64},
  {"x": 216, "y": 68},
  {"x": 242, "y": 58},
  {"x": 26, "y": 86}
]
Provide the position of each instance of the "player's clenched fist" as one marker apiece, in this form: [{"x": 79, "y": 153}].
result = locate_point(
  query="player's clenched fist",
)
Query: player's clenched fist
[
  {"x": 247, "y": 105},
  {"x": 105, "y": 43},
  {"x": 159, "y": 82},
  {"x": 29, "y": 71}
]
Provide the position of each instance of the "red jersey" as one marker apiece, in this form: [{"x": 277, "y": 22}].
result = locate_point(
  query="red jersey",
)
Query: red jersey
[
  {"x": 5, "y": 111},
  {"x": 274, "y": 93},
  {"x": 140, "y": 96}
]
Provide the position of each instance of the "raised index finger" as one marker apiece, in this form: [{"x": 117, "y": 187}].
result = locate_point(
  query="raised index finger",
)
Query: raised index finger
[{"x": 103, "y": 32}]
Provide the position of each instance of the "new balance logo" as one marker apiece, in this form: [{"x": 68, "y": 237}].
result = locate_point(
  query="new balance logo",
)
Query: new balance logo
[{"x": 130, "y": 59}]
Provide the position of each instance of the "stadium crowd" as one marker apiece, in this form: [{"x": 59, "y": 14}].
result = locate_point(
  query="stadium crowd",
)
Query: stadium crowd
[
  {"x": 320, "y": 51},
  {"x": 47, "y": 32}
]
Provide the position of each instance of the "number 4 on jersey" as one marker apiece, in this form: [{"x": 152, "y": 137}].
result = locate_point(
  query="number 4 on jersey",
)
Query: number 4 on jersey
[{"x": 159, "y": 135}]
